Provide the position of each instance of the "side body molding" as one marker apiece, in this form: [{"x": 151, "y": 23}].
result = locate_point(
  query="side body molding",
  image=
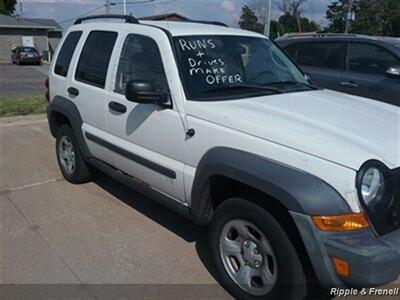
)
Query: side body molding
[
  {"x": 68, "y": 109},
  {"x": 297, "y": 190}
]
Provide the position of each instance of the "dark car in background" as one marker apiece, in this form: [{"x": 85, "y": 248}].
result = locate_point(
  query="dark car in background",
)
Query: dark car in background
[
  {"x": 26, "y": 55},
  {"x": 355, "y": 64}
]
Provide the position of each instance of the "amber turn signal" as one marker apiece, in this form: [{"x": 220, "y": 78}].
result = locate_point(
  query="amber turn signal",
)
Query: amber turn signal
[
  {"x": 349, "y": 222},
  {"x": 341, "y": 266}
]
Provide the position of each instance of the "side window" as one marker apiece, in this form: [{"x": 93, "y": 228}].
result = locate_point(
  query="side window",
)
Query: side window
[
  {"x": 95, "y": 58},
  {"x": 370, "y": 58},
  {"x": 66, "y": 53},
  {"x": 317, "y": 54},
  {"x": 140, "y": 60}
]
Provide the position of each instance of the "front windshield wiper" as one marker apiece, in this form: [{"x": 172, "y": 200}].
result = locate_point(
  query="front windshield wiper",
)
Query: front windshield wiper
[
  {"x": 286, "y": 82},
  {"x": 244, "y": 86}
]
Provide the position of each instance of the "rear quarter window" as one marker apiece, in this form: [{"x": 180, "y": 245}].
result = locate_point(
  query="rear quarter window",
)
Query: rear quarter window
[{"x": 66, "y": 53}]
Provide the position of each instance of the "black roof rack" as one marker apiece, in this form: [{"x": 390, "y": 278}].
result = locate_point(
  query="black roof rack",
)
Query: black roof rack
[
  {"x": 318, "y": 34},
  {"x": 205, "y": 22},
  {"x": 128, "y": 19},
  {"x": 133, "y": 20}
]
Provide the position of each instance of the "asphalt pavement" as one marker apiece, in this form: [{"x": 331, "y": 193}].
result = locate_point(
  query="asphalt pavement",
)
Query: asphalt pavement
[{"x": 22, "y": 80}]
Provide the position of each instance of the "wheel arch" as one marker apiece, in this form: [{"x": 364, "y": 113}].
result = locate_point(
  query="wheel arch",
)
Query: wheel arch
[
  {"x": 63, "y": 111},
  {"x": 293, "y": 189}
]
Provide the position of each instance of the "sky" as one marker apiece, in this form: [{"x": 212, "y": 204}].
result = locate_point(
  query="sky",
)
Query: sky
[{"x": 228, "y": 11}]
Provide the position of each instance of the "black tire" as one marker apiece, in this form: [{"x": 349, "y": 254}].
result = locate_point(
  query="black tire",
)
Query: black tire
[
  {"x": 291, "y": 279},
  {"x": 80, "y": 172}
]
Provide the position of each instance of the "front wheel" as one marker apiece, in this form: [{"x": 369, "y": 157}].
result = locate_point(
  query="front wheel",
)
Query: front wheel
[{"x": 253, "y": 256}]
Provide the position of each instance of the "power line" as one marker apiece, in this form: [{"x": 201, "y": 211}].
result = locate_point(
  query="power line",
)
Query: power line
[
  {"x": 83, "y": 15},
  {"x": 142, "y": 2}
]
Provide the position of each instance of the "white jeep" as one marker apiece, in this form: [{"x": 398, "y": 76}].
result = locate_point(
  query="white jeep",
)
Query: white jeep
[{"x": 297, "y": 185}]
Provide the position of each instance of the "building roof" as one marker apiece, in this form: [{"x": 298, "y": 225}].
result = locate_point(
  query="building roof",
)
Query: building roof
[
  {"x": 44, "y": 22},
  {"x": 182, "y": 28},
  {"x": 170, "y": 17},
  {"x": 13, "y": 22}
]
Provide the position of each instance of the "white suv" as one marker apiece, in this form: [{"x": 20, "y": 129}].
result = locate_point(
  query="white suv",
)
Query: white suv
[{"x": 296, "y": 184}]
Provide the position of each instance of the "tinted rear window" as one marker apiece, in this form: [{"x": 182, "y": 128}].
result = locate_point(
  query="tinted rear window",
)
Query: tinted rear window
[
  {"x": 316, "y": 54},
  {"x": 95, "y": 58},
  {"x": 27, "y": 49},
  {"x": 66, "y": 53}
]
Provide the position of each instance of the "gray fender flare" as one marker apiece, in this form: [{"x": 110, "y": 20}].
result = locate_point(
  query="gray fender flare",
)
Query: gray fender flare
[
  {"x": 297, "y": 190},
  {"x": 68, "y": 109}
]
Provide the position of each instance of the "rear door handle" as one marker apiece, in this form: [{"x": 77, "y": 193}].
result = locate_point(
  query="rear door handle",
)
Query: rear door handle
[
  {"x": 117, "y": 107},
  {"x": 349, "y": 84},
  {"x": 73, "y": 91}
]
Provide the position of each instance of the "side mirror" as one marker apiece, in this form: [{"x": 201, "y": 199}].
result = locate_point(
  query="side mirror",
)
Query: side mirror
[
  {"x": 144, "y": 92},
  {"x": 393, "y": 71}
]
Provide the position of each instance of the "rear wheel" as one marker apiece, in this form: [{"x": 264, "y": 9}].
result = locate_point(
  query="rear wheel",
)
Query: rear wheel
[
  {"x": 253, "y": 255},
  {"x": 69, "y": 157}
]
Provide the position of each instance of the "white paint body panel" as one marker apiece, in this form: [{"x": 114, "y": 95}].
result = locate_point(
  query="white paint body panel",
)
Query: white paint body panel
[{"x": 324, "y": 133}]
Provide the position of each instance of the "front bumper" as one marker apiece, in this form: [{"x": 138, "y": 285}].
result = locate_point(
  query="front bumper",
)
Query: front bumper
[
  {"x": 373, "y": 260},
  {"x": 33, "y": 60}
]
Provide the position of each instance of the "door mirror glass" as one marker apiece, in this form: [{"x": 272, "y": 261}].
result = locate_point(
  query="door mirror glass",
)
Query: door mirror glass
[
  {"x": 393, "y": 71},
  {"x": 144, "y": 92}
]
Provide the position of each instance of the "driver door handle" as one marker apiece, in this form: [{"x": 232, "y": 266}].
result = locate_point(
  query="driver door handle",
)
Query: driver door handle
[
  {"x": 73, "y": 91},
  {"x": 349, "y": 84},
  {"x": 117, "y": 107}
]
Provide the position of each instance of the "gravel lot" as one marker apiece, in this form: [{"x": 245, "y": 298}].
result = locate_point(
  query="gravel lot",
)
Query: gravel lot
[{"x": 23, "y": 80}]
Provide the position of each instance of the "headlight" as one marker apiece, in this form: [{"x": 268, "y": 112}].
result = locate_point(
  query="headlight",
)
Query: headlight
[
  {"x": 372, "y": 186},
  {"x": 376, "y": 193}
]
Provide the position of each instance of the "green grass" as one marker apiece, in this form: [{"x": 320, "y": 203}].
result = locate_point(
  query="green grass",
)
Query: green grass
[{"x": 21, "y": 106}]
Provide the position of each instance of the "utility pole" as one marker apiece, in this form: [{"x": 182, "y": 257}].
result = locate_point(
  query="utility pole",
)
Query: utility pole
[
  {"x": 107, "y": 7},
  {"x": 349, "y": 16},
  {"x": 124, "y": 7},
  {"x": 267, "y": 23}
]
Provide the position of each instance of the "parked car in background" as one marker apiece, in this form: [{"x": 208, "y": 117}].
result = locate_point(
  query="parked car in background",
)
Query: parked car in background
[
  {"x": 355, "y": 64},
  {"x": 26, "y": 55}
]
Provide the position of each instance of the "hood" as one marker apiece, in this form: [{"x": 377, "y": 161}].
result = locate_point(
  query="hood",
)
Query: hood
[{"x": 341, "y": 128}]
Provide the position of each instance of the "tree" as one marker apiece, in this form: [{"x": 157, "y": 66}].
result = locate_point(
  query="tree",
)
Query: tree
[
  {"x": 253, "y": 18},
  {"x": 249, "y": 21},
  {"x": 373, "y": 17},
  {"x": 7, "y": 7},
  {"x": 291, "y": 18},
  {"x": 292, "y": 7},
  {"x": 336, "y": 14},
  {"x": 291, "y": 24}
]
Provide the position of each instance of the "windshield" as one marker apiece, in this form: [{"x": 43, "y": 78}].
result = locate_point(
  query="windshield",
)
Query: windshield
[{"x": 230, "y": 67}]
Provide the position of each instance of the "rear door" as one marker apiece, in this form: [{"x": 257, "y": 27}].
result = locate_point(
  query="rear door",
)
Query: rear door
[
  {"x": 365, "y": 74},
  {"x": 322, "y": 60},
  {"x": 87, "y": 86}
]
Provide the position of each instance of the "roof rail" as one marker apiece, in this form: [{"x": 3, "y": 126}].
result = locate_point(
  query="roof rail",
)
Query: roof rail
[
  {"x": 317, "y": 34},
  {"x": 128, "y": 19},
  {"x": 206, "y": 22}
]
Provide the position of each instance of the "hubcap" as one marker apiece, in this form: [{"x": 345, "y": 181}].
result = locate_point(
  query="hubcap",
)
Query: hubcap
[
  {"x": 66, "y": 154},
  {"x": 248, "y": 257}
]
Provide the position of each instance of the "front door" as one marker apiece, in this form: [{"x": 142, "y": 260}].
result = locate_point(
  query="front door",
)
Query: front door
[
  {"x": 149, "y": 139},
  {"x": 322, "y": 61}
]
